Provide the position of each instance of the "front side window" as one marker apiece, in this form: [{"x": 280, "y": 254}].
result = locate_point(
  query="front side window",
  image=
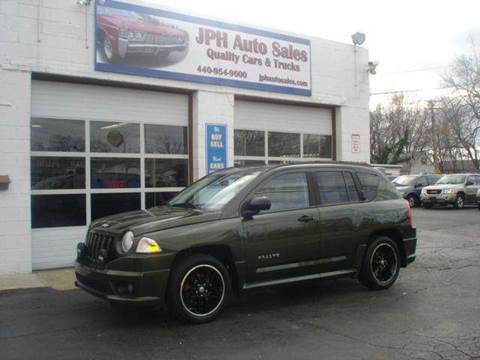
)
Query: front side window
[
  {"x": 331, "y": 187},
  {"x": 286, "y": 192}
]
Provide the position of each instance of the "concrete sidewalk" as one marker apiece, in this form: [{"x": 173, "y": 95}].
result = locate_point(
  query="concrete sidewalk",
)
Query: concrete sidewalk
[{"x": 60, "y": 279}]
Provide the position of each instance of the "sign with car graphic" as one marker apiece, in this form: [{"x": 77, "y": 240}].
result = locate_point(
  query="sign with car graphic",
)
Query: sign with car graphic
[{"x": 139, "y": 40}]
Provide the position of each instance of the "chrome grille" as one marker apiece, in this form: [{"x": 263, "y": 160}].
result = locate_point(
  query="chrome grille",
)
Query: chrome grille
[
  {"x": 96, "y": 242},
  {"x": 163, "y": 39},
  {"x": 433, "y": 192}
]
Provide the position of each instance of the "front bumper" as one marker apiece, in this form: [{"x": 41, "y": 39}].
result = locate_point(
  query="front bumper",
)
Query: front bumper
[
  {"x": 125, "y": 47},
  {"x": 441, "y": 199},
  {"x": 120, "y": 286}
]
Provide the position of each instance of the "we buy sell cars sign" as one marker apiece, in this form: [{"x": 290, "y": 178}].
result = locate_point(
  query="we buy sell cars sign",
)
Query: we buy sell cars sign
[{"x": 147, "y": 41}]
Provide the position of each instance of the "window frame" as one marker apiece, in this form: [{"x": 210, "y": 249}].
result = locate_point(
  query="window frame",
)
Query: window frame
[
  {"x": 342, "y": 172},
  {"x": 254, "y": 191},
  {"x": 88, "y": 155},
  {"x": 267, "y": 158}
]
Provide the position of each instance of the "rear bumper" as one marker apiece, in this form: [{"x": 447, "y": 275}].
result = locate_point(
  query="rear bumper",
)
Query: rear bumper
[
  {"x": 136, "y": 288},
  {"x": 410, "y": 247}
]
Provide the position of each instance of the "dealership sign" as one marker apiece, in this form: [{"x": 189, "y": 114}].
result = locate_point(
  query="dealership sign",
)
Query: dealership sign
[
  {"x": 139, "y": 40},
  {"x": 216, "y": 147}
]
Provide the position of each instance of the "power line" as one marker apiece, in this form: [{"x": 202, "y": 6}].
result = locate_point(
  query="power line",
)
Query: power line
[{"x": 408, "y": 91}]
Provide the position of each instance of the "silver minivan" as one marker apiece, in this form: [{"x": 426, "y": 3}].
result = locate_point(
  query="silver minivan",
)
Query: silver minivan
[{"x": 452, "y": 189}]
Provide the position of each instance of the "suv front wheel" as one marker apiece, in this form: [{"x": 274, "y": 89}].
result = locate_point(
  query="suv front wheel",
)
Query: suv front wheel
[
  {"x": 459, "y": 202},
  {"x": 381, "y": 264},
  {"x": 199, "y": 288}
]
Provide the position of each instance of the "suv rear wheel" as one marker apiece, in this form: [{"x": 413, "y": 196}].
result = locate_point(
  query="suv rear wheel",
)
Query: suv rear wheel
[
  {"x": 199, "y": 288},
  {"x": 381, "y": 264}
]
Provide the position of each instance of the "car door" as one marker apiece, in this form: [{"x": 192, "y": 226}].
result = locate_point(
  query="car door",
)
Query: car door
[
  {"x": 472, "y": 185},
  {"x": 279, "y": 242},
  {"x": 339, "y": 217}
]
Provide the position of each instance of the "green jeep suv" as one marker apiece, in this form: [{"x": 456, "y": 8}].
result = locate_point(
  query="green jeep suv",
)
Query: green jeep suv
[{"x": 244, "y": 228}]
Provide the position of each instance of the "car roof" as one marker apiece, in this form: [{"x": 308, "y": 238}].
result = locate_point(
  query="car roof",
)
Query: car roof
[{"x": 306, "y": 164}]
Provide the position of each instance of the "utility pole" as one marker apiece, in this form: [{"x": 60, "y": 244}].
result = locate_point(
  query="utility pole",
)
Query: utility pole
[{"x": 436, "y": 164}]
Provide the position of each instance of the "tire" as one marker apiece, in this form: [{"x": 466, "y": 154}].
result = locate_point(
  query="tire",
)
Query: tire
[
  {"x": 107, "y": 50},
  {"x": 192, "y": 281},
  {"x": 412, "y": 200},
  {"x": 427, "y": 206},
  {"x": 375, "y": 273},
  {"x": 459, "y": 202}
]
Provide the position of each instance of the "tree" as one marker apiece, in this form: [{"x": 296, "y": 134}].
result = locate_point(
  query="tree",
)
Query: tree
[
  {"x": 397, "y": 132},
  {"x": 462, "y": 109}
]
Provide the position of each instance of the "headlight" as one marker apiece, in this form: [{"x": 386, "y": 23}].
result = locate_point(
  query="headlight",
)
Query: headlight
[
  {"x": 123, "y": 33},
  {"x": 127, "y": 241},
  {"x": 424, "y": 191},
  {"x": 449, "y": 191},
  {"x": 148, "y": 246}
]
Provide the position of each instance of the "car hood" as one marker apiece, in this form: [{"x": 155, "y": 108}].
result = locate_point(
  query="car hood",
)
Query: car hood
[{"x": 152, "y": 220}]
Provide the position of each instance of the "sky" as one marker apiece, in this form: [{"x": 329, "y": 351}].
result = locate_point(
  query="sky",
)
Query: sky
[{"x": 413, "y": 41}]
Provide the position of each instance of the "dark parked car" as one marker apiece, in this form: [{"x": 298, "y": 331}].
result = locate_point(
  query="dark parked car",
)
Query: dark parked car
[
  {"x": 122, "y": 32},
  {"x": 240, "y": 229},
  {"x": 410, "y": 186}
]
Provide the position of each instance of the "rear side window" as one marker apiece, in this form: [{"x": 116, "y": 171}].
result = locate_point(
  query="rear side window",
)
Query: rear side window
[
  {"x": 375, "y": 187},
  {"x": 352, "y": 189},
  {"x": 286, "y": 192},
  {"x": 331, "y": 187}
]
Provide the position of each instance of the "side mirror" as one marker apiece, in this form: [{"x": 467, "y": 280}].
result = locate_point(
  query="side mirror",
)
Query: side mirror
[
  {"x": 255, "y": 205},
  {"x": 469, "y": 183}
]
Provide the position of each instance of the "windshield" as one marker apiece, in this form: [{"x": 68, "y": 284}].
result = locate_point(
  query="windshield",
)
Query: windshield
[
  {"x": 404, "y": 180},
  {"x": 452, "y": 179},
  {"x": 214, "y": 191}
]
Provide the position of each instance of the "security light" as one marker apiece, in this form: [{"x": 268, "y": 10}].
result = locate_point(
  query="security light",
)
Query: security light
[
  {"x": 372, "y": 67},
  {"x": 358, "y": 38}
]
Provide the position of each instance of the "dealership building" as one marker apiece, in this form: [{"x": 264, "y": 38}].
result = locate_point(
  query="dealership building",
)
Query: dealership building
[{"x": 112, "y": 106}]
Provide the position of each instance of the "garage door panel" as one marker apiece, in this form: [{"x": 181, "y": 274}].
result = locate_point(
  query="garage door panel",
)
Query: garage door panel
[
  {"x": 278, "y": 117},
  {"x": 91, "y": 102}
]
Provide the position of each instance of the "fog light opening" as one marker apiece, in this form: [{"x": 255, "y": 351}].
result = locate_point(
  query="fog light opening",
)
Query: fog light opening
[{"x": 125, "y": 288}]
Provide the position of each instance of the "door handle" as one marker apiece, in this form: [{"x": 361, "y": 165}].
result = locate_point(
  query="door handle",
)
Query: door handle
[{"x": 305, "y": 218}]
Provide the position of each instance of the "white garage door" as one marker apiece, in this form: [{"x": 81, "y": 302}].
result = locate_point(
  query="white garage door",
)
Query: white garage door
[
  {"x": 96, "y": 151},
  {"x": 277, "y": 133}
]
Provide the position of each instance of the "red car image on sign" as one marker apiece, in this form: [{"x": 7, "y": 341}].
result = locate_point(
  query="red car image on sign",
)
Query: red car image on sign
[{"x": 122, "y": 32}]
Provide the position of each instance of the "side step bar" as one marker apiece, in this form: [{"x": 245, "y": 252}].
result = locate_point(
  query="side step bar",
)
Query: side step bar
[{"x": 299, "y": 278}]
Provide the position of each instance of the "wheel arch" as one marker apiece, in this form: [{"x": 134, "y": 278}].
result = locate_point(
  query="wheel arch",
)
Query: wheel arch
[
  {"x": 222, "y": 253},
  {"x": 396, "y": 236}
]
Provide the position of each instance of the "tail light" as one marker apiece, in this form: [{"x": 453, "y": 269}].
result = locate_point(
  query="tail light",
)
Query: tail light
[{"x": 409, "y": 213}]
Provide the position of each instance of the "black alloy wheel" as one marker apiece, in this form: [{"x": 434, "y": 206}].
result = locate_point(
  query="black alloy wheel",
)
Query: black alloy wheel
[
  {"x": 199, "y": 288},
  {"x": 459, "y": 202},
  {"x": 381, "y": 264}
]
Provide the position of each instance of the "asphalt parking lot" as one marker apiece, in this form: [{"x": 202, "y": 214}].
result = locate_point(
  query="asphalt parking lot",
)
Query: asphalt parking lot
[{"x": 432, "y": 312}]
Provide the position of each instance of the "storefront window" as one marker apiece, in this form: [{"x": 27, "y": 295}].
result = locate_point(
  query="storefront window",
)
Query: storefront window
[
  {"x": 165, "y": 139},
  {"x": 282, "y": 144},
  {"x": 317, "y": 146},
  {"x": 114, "y": 137},
  {"x": 57, "y": 135},
  {"x": 109, "y": 204},
  {"x": 108, "y": 173},
  {"x": 166, "y": 172},
  {"x": 58, "y": 210},
  {"x": 249, "y": 143},
  {"x": 58, "y": 173}
]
